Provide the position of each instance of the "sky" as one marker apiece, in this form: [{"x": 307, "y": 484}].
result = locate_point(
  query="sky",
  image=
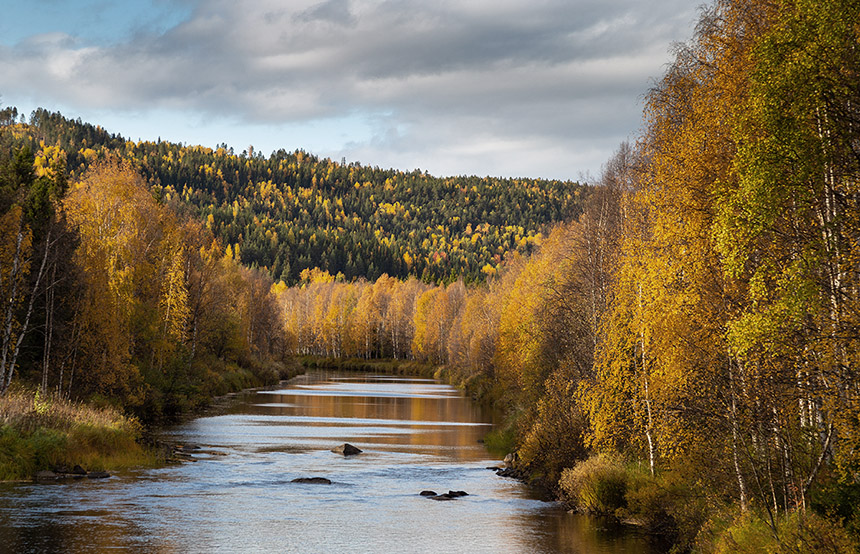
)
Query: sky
[{"x": 508, "y": 88}]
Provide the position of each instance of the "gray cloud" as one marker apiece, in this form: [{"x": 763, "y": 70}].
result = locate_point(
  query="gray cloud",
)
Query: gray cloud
[
  {"x": 489, "y": 87},
  {"x": 330, "y": 11}
]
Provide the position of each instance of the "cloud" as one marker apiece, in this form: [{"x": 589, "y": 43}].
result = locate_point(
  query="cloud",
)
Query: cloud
[
  {"x": 331, "y": 11},
  {"x": 467, "y": 85}
]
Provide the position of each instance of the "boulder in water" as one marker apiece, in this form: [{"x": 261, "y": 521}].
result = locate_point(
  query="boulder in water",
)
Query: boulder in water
[
  {"x": 450, "y": 495},
  {"x": 312, "y": 480},
  {"x": 346, "y": 449}
]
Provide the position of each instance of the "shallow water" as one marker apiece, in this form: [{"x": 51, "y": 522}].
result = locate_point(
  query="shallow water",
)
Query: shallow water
[{"x": 417, "y": 434}]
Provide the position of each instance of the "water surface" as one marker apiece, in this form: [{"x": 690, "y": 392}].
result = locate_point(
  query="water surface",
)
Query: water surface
[{"x": 416, "y": 434}]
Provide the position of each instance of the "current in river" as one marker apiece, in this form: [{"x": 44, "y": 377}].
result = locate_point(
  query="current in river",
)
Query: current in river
[{"x": 238, "y": 494}]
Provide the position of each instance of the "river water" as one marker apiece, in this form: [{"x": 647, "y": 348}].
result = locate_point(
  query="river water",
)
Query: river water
[{"x": 238, "y": 496}]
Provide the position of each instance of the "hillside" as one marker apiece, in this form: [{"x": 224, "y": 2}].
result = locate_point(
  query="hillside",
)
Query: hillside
[{"x": 294, "y": 211}]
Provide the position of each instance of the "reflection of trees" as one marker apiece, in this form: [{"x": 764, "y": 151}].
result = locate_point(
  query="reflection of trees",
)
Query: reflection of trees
[
  {"x": 443, "y": 440},
  {"x": 38, "y": 526}
]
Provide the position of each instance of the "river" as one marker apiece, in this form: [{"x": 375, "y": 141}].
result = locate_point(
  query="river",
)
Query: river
[{"x": 238, "y": 496}]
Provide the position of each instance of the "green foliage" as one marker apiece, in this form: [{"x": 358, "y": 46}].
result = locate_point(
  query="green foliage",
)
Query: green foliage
[
  {"x": 16, "y": 455},
  {"x": 795, "y": 533},
  {"x": 501, "y": 441},
  {"x": 48, "y": 447},
  {"x": 838, "y": 500},
  {"x": 666, "y": 505}
]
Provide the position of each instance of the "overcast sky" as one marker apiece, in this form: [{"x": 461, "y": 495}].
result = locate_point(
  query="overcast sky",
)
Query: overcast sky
[{"x": 517, "y": 88}]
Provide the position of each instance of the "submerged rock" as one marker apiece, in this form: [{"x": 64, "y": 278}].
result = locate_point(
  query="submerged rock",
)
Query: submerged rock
[
  {"x": 427, "y": 493},
  {"x": 45, "y": 475},
  {"x": 312, "y": 480},
  {"x": 346, "y": 449},
  {"x": 98, "y": 474}
]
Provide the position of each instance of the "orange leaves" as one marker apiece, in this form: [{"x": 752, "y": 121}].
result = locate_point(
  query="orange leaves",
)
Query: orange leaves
[{"x": 131, "y": 261}]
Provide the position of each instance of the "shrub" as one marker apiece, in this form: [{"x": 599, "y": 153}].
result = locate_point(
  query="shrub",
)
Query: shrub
[
  {"x": 795, "y": 533},
  {"x": 838, "y": 499},
  {"x": 48, "y": 447},
  {"x": 666, "y": 506},
  {"x": 501, "y": 441},
  {"x": 597, "y": 485},
  {"x": 16, "y": 455}
]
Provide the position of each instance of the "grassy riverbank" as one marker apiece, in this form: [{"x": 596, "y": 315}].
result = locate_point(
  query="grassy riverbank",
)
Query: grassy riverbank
[
  {"x": 43, "y": 433},
  {"x": 46, "y": 432}
]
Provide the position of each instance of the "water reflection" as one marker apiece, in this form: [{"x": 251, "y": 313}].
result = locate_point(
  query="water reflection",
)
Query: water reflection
[{"x": 238, "y": 496}]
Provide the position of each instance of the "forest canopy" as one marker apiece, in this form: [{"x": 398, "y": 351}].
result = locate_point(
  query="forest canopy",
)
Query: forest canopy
[{"x": 293, "y": 211}]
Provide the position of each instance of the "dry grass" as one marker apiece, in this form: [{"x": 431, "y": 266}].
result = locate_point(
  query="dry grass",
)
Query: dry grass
[
  {"x": 40, "y": 433},
  {"x": 27, "y": 411}
]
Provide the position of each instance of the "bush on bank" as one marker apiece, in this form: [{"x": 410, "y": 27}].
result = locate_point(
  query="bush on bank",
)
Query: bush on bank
[{"x": 668, "y": 506}]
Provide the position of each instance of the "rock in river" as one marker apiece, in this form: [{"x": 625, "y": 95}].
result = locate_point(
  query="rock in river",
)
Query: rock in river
[
  {"x": 346, "y": 449},
  {"x": 450, "y": 495},
  {"x": 312, "y": 480}
]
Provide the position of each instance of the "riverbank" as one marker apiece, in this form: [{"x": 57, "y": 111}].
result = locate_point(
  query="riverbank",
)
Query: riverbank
[
  {"x": 48, "y": 433},
  {"x": 45, "y": 434}
]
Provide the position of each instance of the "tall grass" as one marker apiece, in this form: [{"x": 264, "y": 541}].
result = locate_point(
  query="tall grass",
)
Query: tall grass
[{"x": 42, "y": 433}]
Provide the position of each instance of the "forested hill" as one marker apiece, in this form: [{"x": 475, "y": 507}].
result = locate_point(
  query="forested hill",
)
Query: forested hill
[{"x": 293, "y": 211}]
